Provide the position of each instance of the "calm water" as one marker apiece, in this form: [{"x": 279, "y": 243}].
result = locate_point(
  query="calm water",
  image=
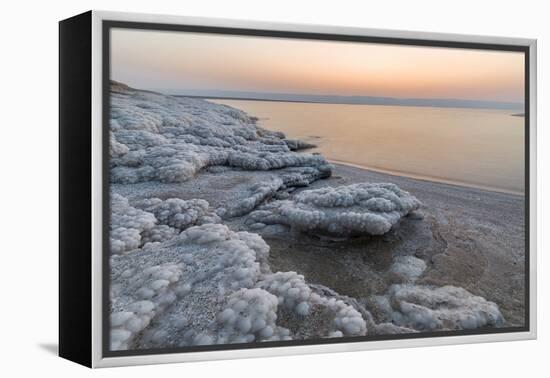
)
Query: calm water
[{"x": 476, "y": 147}]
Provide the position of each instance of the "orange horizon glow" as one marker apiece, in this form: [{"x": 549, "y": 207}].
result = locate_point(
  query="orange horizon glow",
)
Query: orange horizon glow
[{"x": 172, "y": 61}]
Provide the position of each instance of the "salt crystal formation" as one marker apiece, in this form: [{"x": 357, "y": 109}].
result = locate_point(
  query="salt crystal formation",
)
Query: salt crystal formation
[
  {"x": 153, "y": 220},
  {"x": 180, "y": 276},
  {"x": 250, "y": 315},
  {"x": 407, "y": 268},
  {"x": 358, "y": 209},
  {"x": 210, "y": 285},
  {"x": 178, "y": 213},
  {"x": 127, "y": 225},
  {"x": 170, "y": 139},
  {"x": 295, "y": 294},
  {"x": 427, "y": 308}
]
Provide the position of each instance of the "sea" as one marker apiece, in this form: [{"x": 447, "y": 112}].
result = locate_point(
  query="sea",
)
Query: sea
[{"x": 481, "y": 148}]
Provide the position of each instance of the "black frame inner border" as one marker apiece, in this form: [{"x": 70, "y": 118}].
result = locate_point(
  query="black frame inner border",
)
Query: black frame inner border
[{"x": 107, "y": 25}]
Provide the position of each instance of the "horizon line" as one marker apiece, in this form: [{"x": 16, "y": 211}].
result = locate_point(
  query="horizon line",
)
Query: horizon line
[
  {"x": 443, "y": 102},
  {"x": 344, "y": 99}
]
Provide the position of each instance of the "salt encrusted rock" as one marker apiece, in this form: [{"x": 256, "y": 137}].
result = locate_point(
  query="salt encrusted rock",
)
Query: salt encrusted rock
[
  {"x": 249, "y": 316},
  {"x": 296, "y": 144},
  {"x": 427, "y": 308},
  {"x": 291, "y": 290},
  {"x": 153, "y": 220},
  {"x": 158, "y": 234},
  {"x": 273, "y": 186},
  {"x": 178, "y": 213},
  {"x": 170, "y": 139},
  {"x": 127, "y": 224},
  {"x": 137, "y": 139},
  {"x": 258, "y": 193},
  {"x": 407, "y": 268},
  {"x": 212, "y": 285},
  {"x": 358, "y": 209},
  {"x": 348, "y": 321},
  {"x": 116, "y": 148},
  {"x": 188, "y": 277},
  {"x": 303, "y": 176},
  {"x": 153, "y": 289},
  {"x": 296, "y": 295}
]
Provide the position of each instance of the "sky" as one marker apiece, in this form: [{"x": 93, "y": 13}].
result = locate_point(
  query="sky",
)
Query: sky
[{"x": 179, "y": 61}]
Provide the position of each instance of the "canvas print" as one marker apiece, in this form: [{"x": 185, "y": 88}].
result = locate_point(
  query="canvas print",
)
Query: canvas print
[{"x": 270, "y": 190}]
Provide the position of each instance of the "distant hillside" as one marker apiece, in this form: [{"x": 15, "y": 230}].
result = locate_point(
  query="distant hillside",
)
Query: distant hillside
[{"x": 357, "y": 100}]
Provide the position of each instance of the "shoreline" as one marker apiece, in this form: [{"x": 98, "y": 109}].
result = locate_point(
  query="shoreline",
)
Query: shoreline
[
  {"x": 459, "y": 181},
  {"x": 468, "y": 238},
  {"x": 464, "y": 244},
  {"x": 214, "y": 99},
  {"x": 427, "y": 179}
]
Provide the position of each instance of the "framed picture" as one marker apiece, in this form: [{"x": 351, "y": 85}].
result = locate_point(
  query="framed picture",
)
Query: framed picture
[{"x": 233, "y": 189}]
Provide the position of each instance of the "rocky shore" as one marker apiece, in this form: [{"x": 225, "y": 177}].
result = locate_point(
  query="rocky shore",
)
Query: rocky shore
[{"x": 224, "y": 232}]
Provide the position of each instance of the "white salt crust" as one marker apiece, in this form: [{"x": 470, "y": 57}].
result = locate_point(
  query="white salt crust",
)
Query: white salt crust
[
  {"x": 190, "y": 280},
  {"x": 358, "y": 209}
]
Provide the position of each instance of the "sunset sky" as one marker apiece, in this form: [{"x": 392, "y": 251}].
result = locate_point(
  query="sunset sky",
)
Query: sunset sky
[{"x": 176, "y": 61}]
